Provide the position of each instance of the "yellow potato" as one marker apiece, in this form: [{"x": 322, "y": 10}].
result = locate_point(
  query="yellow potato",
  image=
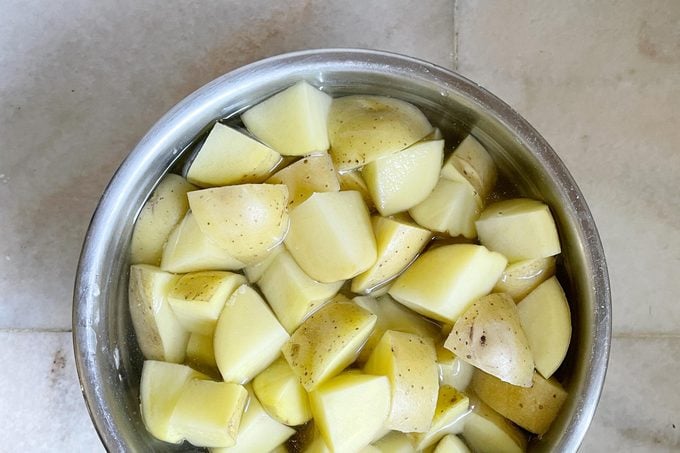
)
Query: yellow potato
[
  {"x": 364, "y": 128},
  {"x": 352, "y": 180},
  {"x": 328, "y": 341},
  {"x": 306, "y": 176},
  {"x": 162, "y": 211},
  {"x": 409, "y": 361},
  {"x": 201, "y": 354},
  {"x": 246, "y": 220},
  {"x": 522, "y": 277},
  {"x": 452, "y": 370},
  {"x": 451, "y": 444},
  {"x": 488, "y": 431},
  {"x": 229, "y": 156},
  {"x": 293, "y": 121},
  {"x": 282, "y": 395},
  {"x": 490, "y": 337},
  {"x": 449, "y": 415},
  {"x": 443, "y": 282},
  {"x": 159, "y": 334},
  {"x": 394, "y": 442},
  {"x": 472, "y": 160},
  {"x": 254, "y": 271}
]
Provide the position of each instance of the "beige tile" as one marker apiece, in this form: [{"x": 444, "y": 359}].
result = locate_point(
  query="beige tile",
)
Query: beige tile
[
  {"x": 42, "y": 408},
  {"x": 640, "y": 407},
  {"x": 601, "y": 81},
  {"x": 81, "y": 81}
]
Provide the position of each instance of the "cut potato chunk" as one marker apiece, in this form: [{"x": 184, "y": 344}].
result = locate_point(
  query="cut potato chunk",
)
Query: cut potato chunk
[
  {"x": 209, "y": 413},
  {"x": 352, "y": 180},
  {"x": 452, "y": 207},
  {"x": 159, "y": 334},
  {"x": 291, "y": 293},
  {"x": 293, "y": 122},
  {"x": 365, "y": 128},
  {"x": 522, "y": 277},
  {"x": 453, "y": 371},
  {"x": 248, "y": 337},
  {"x": 246, "y": 220},
  {"x": 229, "y": 156},
  {"x": 282, "y": 395},
  {"x": 190, "y": 250},
  {"x": 409, "y": 362},
  {"x": 306, "y": 176},
  {"x": 488, "y": 431},
  {"x": 159, "y": 216},
  {"x": 546, "y": 320},
  {"x": 201, "y": 354},
  {"x": 472, "y": 160},
  {"x": 443, "y": 282},
  {"x": 399, "y": 181},
  {"x": 520, "y": 229},
  {"x": 489, "y": 336},
  {"x": 254, "y": 271},
  {"x": 449, "y": 417},
  {"x": 198, "y": 298},
  {"x": 258, "y": 432},
  {"x": 534, "y": 408},
  {"x": 394, "y": 442},
  {"x": 392, "y": 316},
  {"x": 328, "y": 341},
  {"x": 350, "y": 409},
  {"x": 398, "y": 243},
  {"x": 331, "y": 237},
  {"x": 451, "y": 444},
  {"x": 159, "y": 391}
]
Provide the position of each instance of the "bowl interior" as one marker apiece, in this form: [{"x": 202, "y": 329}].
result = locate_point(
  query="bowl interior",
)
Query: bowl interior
[{"x": 108, "y": 359}]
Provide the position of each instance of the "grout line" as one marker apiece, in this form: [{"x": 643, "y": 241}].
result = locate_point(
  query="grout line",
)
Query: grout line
[
  {"x": 455, "y": 35},
  {"x": 646, "y": 336},
  {"x": 35, "y": 330}
]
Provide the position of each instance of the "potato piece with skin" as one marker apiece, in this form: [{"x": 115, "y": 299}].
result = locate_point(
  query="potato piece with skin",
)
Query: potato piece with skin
[
  {"x": 190, "y": 250},
  {"x": 293, "y": 121},
  {"x": 352, "y": 180},
  {"x": 158, "y": 217},
  {"x": 451, "y": 444},
  {"x": 350, "y": 409},
  {"x": 197, "y": 298},
  {"x": 229, "y": 156},
  {"x": 291, "y": 293},
  {"x": 159, "y": 334},
  {"x": 159, "y": 390},
  {"x": 522, "y": 277},
  {"x": 281, "y": 394},
  {"x": 452, "y": 207},
  {"x": 546, "y": 320},
  {"x": 452, "y": 370},
  {"x": 328, "y": 341},
  {"x": 399, "y": 181},
  {"x": 490, "y": 337},
  {"x": 409, "y": 362},
  {"x": 449, "y": 415},
  {"x": 474, "y": 162},
  {"x": 331, "y": 237},
  {"x": 443, "y": 282},
  {"x": 533, "y": 408},
  {"x": 258, "y": 432},
  {"x": 201, "y": 354},
  {"x": 248, "y": 337},
  {"x": 306, "y": 176},
  {"x": 394, "y": 442},
  {"x": 365, "y": 128},
  {"x": 209, "y": 413},
  {"x": 255, "y": 271},
  {"x": 486, "y": 430},
  {"x": 392, "y": 316},
  {"x": 520, "y": 229},
  {"x": 247, "y": 220},
  {"x": 398, "y": 243}
]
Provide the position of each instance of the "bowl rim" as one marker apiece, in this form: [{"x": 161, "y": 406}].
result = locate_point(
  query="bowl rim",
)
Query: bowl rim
[{"x": 166, "y": 130}]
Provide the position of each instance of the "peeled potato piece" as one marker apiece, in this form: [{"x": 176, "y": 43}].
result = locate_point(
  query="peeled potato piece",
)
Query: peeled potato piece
[
  {"x": 364, "y": 128},
  {"x": 546, "y": 320},
  {"x": 452, "y": 370},
  {"x": 162, "y": 211},
  {"x": 399, "y": 181},
  {"x": 306, "y": 176},
  {"x": 328, "y": 341},
  {"x": 490, "y": 337},
  {"x": 520, "y": 229},
  {"x": 451, "y": 444},
  {"x": 293, "y": 122},
  {"x": 398, "y": 243},
  {"x": 248, "y": 337},
  {"x": 522, "y": 277},
  {"x": 350, "y": 409},
  {"x": 229, "y": 156},
  {"x": 159, "y": 334},
  {"x": 452, "y": 407},
  {"x": 189, "y": 250},
  {"x": 394, "y": 442},
  {"x": 488, "y": 431},
  {"x": 282, "y": 395},
  {"x": 255, "y": 271},
  {"x": 197, "y": 298},
  {"x": 159, "y": 391},
  {"x": 331, "y": 237},
  {"x": 246, "y": 220},
  {"x": 443, "y": 282},
  {"x": 472, "y": 160}
]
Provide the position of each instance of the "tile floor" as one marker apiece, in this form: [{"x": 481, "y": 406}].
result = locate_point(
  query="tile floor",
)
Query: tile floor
[{"x": 81, "y": 81}]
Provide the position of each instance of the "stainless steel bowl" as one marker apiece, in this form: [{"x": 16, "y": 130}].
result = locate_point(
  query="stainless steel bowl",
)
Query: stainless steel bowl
[{"x": 107, "y": 357}]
